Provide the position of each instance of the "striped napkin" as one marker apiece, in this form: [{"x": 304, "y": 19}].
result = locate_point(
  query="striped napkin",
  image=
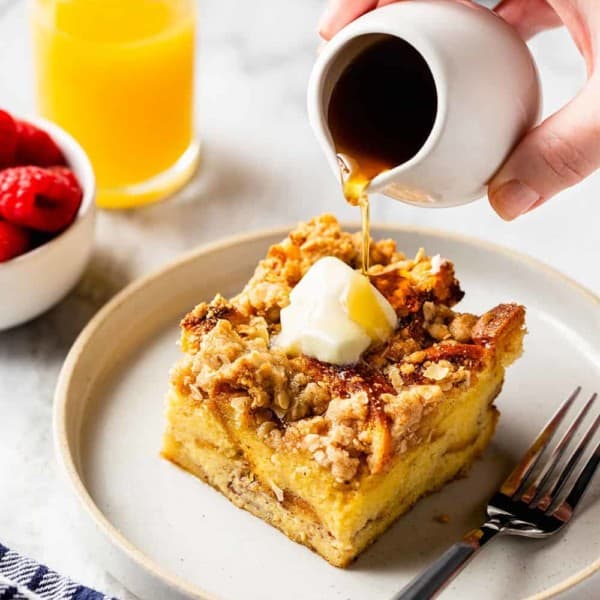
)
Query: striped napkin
[{"x": 24, "y": 579}]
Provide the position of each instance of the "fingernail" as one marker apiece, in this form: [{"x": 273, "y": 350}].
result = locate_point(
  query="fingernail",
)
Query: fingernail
[{"x": 512, "y": 199}]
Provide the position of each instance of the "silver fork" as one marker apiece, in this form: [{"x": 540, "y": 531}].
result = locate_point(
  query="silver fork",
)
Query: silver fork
[{"x": 534, "y": 501}]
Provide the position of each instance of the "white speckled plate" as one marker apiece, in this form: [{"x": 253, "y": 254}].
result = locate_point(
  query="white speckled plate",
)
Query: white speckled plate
[{"x": 167, "y": 536}]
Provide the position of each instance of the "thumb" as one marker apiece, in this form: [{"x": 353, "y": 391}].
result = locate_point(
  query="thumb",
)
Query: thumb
[
  {"x": 557, "y": 154},
  {"x": 341, "y": 12}
]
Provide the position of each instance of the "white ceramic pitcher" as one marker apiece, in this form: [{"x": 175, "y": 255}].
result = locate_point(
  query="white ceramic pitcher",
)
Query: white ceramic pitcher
[{"x": 488, "y": 95}]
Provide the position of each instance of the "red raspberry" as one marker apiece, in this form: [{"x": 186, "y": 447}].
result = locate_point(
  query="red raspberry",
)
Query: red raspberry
[
  {"x": 14, "y": 240},
  {"x": 36, "y": 147},
  {"x": 41, "y": 199},
  {"x": 8, "y": 139},
  {"x": 66, "y": 172}
]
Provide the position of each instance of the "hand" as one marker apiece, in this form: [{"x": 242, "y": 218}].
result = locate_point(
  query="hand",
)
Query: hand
[{"x": 563, "y": 149}]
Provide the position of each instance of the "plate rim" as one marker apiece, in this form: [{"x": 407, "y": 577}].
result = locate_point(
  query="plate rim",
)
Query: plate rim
[{"x": 61, "y": 446}]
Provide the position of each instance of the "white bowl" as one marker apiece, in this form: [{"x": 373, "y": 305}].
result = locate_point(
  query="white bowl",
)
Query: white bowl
[{"x": 35, "y": 281}]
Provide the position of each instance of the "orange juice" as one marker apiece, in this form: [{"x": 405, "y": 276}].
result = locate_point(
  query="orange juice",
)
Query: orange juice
[{"x": 118, "y": 75}]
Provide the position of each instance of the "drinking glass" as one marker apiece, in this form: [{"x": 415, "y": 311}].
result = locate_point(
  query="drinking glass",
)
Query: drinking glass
[{"x": 119, "y": 76}]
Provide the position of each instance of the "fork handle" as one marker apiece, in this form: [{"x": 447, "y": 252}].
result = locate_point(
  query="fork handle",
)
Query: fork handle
[{"x": 431, "y": 581}]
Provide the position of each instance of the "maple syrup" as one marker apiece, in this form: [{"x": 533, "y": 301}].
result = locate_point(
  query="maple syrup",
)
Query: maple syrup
[{"x": 381, "y": 112}]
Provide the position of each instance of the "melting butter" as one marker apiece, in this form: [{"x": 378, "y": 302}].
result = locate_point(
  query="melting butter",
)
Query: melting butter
[{"x": 334, "y": 315}]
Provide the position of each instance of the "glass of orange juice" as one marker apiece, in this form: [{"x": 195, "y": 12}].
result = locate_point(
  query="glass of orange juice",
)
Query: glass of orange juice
[{"x": 118, "y": 75}]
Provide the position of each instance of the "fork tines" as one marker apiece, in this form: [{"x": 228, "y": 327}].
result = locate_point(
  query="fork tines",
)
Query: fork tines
[{"x": 536, "y": 481}]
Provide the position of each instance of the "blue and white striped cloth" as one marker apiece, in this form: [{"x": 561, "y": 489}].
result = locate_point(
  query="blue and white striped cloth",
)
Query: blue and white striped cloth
[{"x": 24, "y": 579}]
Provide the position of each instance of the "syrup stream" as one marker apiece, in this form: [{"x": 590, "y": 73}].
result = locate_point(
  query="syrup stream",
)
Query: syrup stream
[{"x": 354, "y": 185}]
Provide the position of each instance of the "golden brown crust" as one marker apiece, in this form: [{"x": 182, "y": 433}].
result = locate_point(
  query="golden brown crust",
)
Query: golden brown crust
[
  {"x": 498, "y": 323},
  {"x": 409, "y": 284},
  {"x": 351, "y": 419}
]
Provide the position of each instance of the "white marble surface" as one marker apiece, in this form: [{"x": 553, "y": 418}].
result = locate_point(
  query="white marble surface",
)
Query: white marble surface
[{"x": 261, "y": 167}]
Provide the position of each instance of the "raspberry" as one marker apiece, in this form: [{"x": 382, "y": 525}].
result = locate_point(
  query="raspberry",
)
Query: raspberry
[
  {"x": 41, "y": 199},
  {"x": 66, "y": 172},
  {"x": 14, "y": 240},
  {"x": 36, "y": 147},
  {"x": 8, "y": 139}
]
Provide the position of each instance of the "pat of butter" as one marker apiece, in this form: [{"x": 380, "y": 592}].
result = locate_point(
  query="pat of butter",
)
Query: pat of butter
[{"x": 334, "y": 315}]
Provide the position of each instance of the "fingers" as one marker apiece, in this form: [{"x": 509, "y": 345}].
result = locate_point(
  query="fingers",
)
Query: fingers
[
  {"x": 528, "y": 17},
  {"x": 341, "y": 12},
  {"x": 557, "y": 154}
]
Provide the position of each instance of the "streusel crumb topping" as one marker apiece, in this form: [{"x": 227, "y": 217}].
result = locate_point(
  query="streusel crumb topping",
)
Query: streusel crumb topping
[{"x": 351, "y": 418}]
